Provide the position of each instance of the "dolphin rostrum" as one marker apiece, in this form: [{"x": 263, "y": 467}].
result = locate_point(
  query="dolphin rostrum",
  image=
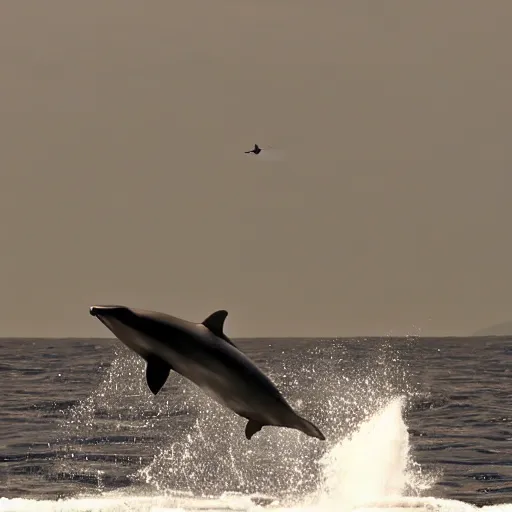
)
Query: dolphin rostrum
[{"x": 205, "y": 355}]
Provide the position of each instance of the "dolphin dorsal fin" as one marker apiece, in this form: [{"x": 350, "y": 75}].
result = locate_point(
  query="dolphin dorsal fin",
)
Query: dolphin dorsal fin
[{"x": 215, "y": 322}]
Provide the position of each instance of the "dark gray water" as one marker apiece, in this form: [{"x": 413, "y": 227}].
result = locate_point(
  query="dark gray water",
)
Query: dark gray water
[{"x": 76, "y": 417}]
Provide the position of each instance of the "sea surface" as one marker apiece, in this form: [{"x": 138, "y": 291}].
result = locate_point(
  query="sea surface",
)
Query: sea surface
[{"x": 411, "y": 424}]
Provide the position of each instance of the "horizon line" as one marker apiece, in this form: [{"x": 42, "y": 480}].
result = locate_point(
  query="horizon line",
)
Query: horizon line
[{"x": 251, "y": 338}]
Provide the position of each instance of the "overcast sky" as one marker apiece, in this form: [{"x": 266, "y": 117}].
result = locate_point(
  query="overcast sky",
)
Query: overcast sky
[{"x": 123, "y": 180}]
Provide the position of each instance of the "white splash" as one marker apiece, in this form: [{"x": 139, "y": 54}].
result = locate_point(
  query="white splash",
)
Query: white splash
[
  {"x": 368, "y": 471},
  {"x": 371, "y": 464}
]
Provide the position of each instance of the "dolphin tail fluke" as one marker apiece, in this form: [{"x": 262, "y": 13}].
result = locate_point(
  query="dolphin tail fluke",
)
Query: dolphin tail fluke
[{"x": 309, "y": 429}]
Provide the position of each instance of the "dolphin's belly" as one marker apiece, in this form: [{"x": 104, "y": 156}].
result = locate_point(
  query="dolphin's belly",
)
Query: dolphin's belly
[{"x": 233, "y": 389}]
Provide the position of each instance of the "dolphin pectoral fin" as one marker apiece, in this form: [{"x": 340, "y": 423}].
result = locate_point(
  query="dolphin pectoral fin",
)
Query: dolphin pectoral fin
[
  {"x": 157, "y": 372},
  {"x": 251, "y": 428}
]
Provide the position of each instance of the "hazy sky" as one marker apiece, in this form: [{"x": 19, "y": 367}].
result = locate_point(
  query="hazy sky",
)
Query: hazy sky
[{"x": 123, "y": 179}]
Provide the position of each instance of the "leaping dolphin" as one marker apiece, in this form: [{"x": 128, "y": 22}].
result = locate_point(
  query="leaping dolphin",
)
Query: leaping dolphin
[{"x": 202, "y": 353}]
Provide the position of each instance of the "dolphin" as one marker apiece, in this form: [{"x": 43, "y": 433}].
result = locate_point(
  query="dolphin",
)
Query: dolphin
[{"x": 202, "y": 353}]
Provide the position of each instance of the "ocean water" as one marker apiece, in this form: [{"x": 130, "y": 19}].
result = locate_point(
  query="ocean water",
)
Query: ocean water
[{"x": 411, "y": 424}]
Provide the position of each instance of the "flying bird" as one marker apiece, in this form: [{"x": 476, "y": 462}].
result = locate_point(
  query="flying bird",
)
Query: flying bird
[{"x": 255, "y": 150}]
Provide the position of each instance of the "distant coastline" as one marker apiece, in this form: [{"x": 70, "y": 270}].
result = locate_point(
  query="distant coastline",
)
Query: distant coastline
[{"x": 503, "y": 329}]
